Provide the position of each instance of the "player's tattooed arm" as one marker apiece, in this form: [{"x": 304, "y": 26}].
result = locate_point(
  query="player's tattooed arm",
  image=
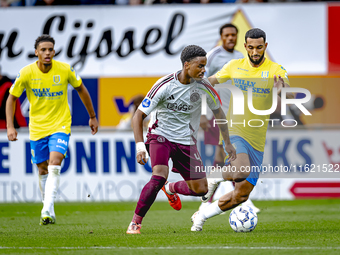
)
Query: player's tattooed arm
[
  {"x": 219, "y": 115},
  {"x": 137, "y": 125}
]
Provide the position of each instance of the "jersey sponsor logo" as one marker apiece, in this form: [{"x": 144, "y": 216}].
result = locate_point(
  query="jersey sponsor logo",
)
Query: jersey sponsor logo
[
  {"x": 194, "y": 97},
  {"x": 45, "y": 92},
  {"x": 244, "y": 85},
  {"x": 181, "y": 107},
  {"x": 56, "y": 79},
  {"x": 146, "y": 102},
  {"x": 161, "y": 139},
  {"x": 62, "y": 141},
  {"x": 171, "y": 97},
  {"x": 244, "y": 82},
  {"x": 243, "y": 69},
  {"x": 265, "y": 74}
]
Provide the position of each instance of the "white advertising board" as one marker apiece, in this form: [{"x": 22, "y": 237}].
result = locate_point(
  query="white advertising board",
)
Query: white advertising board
[{"x": 147, "y": 41}]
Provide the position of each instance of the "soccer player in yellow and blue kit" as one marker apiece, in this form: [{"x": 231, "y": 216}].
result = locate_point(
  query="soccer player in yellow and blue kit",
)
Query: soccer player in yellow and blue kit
[
  {"x": 249, "y": 140},
  {"x": 46, "y": 82}
]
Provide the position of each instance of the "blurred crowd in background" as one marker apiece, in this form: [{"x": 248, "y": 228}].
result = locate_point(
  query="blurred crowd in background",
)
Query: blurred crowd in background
[{"x": 8, "y": 3}]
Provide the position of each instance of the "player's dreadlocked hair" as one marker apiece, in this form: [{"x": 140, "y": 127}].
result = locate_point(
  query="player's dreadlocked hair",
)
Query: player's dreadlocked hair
[
  {"x": 190, "y": 52},
  {"x": 255, "y": 33},
  {"x": 43, "y": 38}
]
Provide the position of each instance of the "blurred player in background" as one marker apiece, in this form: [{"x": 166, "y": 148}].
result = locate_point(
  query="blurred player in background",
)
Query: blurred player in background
[
  {"x": 125, "y": 122},
  {"x": 216, "y": 59},
  {"x": 261, "y": 75},
  {"x": 46, "y": 82},
  {"x": 175, "y": 104}
]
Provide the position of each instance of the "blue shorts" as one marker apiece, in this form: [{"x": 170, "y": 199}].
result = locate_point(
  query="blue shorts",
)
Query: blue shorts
[
  {"x": 40, "y": 150},
  {"x": 255, "y": 157}
]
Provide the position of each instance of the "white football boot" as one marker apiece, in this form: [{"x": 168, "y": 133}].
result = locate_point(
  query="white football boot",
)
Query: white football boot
[
  {"x": 212, "y": 186},
  {"x": 197, "y": 222}
]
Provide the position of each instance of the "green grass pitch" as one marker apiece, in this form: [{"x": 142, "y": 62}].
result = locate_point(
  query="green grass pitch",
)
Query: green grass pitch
[{"x": 284, "y": 227}]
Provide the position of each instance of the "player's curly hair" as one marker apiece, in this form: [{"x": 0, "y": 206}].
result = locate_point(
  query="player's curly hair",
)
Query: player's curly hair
[
  {"x": 255, "y": 33},
  {"x": 43, "y": 38},
  {"x": 190, "y": 52}
]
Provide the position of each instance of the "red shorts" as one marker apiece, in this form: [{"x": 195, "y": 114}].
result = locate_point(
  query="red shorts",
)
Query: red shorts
[{"x": 186, "y": 158}]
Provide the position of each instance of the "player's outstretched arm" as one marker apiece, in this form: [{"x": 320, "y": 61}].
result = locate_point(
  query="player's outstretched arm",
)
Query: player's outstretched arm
[
  {"x": 279, "y": 84},
  {"x": 137, "y": 125},
  {"x": 10, "y": 109},
  {"x": 213, "y": 80},
  {"x": 86, "y": 99},
  {"x": 219, "y": 114}
]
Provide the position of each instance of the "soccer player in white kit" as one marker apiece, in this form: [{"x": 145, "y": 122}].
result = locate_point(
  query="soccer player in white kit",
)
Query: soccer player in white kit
[
  {"x": 216, "y": 59},
  {"x": 175, "y": 103}
]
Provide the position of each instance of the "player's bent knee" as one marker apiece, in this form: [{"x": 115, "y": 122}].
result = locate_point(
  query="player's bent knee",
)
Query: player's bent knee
[{"x": 239, "y": 177}]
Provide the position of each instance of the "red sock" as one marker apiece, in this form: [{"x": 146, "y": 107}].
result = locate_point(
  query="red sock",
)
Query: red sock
[
  {"x": 181, "y": 187},
  {"x": 138, "y": 219},
  {"x": 147, "y": 197}
]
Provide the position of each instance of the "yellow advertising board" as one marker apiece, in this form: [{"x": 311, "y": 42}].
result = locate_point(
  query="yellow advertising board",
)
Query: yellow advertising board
[{"x": 116, "y": 94}]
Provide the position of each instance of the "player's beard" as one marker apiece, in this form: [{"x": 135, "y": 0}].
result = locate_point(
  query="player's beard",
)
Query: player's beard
[
  {"x": 48, "y": 64},
  {"x": 257, "y": 61}
]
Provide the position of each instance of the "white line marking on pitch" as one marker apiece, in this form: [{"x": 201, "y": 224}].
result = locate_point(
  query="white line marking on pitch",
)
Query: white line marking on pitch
[{"x": 170, "y": 248}]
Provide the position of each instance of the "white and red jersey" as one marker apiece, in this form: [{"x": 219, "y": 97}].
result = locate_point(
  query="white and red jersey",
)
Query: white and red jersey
[{"x": 176, "y": 108}]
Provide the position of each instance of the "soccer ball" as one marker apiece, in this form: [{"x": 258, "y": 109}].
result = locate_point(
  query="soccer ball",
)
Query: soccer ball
[{"x": 243, "y": 219}]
